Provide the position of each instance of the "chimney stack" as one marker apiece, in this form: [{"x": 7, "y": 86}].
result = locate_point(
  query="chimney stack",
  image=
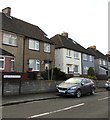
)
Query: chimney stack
[
  {"x": 94, "y": 47},
  {"x": 7, "y": 11},
  {"x": 65, "y": 34}
]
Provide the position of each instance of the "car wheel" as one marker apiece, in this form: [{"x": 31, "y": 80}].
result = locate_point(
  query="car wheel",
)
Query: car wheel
[
  {"x": 78, "y": 94},
  {"x": 92, "y": 91}
]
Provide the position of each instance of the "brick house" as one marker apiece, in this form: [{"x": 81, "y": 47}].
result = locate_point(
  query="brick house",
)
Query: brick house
[{"x": 27, "y": 42}]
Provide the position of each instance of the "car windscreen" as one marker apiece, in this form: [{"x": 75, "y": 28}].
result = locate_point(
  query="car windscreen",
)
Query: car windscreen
[{"x": 73, "y": 80}]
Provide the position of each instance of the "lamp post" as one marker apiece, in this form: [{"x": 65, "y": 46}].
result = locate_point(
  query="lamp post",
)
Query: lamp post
[{"x": 108, "y": 55}]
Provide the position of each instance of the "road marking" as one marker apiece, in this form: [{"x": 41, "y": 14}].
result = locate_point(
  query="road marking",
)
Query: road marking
[
  {"x": 59, "y": 110},
  {"x": 104, "y": 98}
]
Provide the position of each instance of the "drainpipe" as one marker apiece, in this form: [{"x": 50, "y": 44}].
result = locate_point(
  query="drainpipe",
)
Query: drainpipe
[{"x": 23, "y": 54}]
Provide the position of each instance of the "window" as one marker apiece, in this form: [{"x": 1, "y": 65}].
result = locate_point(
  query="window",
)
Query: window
[
  {"x": 76, "y": 68},
  {"x": 100, "y": 62},
  {"x": 76, "y": 55},
  {"x": 85, "y": 70},
  {"x": 33, "y": 44},
  {"x": 47, "y": 47},
  {"x": 2, "y": 61},
  {"x": 10, "y": 39},
  {"x": 90, "y": 58},
  {"x": 12, "y": 64},
  {"x": 68, "y": 53},
  {"x": 34, "y": 64},
  {"x": 104, "y": 63},
  {"x": 84, "y": 57}
]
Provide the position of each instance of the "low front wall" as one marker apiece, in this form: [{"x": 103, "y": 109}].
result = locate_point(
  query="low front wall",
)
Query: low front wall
[
  {"x": 17, "y": 87},
  {"x": 30, "y": 86}
]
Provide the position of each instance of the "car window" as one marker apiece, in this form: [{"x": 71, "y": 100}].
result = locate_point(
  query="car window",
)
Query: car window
[
  {"x": 84, "y": 81},
  {"x": 73, "y": 80}
]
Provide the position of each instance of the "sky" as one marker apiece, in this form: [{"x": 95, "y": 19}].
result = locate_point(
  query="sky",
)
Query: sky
[{"x": 86, "y": 21}]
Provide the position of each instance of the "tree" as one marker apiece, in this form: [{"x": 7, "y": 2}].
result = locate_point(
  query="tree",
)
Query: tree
[{"x": 91, "y": 72}]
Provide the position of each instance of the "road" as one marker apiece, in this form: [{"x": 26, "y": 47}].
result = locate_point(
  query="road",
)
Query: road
[{"x": 90, "y": 106}]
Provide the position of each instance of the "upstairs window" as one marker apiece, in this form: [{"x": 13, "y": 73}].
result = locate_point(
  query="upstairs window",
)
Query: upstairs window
[
  {"x": 104, "y": 63},
  {"x": 47, "y": 47},
  {"x": 68, "y": 53},
  {"x": 84, "y": 56},
  {"x": 33, "y": 44},
  {"x": 76, "y": 55},
  {"x": 90, "y": 58},
  {"x": 9, "y": 39},
  {"x": 100, "y": 61}
]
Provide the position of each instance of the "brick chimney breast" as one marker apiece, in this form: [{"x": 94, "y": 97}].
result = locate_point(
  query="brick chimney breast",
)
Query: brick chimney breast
[
  {"x": 7, "y": 11},
  {"x": 94, "y": 47},
  {"x": 65, "y": 34}
]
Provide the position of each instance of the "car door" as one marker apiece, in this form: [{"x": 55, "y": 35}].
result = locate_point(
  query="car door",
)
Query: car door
[{"x": 84, "y": 86}]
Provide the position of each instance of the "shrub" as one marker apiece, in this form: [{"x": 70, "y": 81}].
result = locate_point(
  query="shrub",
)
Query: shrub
[
  {"x": 91, "y": 72},
  {"x": 54, "y": 74}
]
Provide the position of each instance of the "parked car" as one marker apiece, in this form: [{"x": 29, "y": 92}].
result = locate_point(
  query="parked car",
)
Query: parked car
[
  {"x": 107, "y": 84},
  {"x": 76, "y": 86}
]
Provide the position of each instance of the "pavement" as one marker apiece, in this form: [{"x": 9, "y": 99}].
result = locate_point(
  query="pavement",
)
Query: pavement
[{"x": 17, "y": 99}]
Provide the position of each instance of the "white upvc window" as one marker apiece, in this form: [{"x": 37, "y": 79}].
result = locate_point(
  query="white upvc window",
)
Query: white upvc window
[
  {"x": 85, "y": 70},
  {"x": 68, "y": 53},
  {"x": 76, "y": 67},
  {"x": 47, "y": 47},
  {"x": 34, "y": 64},
  {"x": 90, "y": 58},
  {"x": 84, "y": 56},
  {"x": 10, "y": 39},
  {"x": 76, "y": 55},
  {"x": 104, "y": 63},
  {"x": 2, "y": 63},
  {"x": 100, "y": 61},
  {"x": 33, "y": 44}
]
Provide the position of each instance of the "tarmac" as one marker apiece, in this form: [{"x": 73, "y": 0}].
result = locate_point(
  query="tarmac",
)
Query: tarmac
[{"x": 18, "y": 99}]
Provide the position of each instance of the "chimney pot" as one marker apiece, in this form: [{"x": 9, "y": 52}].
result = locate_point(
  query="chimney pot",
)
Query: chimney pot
[{"x": 7, "y": 11}]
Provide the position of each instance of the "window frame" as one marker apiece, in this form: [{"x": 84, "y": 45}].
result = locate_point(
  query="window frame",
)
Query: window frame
[
  {"x": 85, "y": 57},
  {"x": 9, "y": 39},
  {"x": 47, "y": 48},
  {"x": 36, "y": 66},
  {"x": 76, "y": 55},
  {"x": 68, "y": 53},
  {"x": 34, "y": 44}
]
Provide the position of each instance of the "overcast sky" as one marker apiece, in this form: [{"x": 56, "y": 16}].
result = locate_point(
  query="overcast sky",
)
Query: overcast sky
[{"x": 86, "y": 21}]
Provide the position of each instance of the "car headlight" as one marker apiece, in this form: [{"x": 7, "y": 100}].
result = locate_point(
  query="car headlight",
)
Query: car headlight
[{"x": 72, "y": 88}]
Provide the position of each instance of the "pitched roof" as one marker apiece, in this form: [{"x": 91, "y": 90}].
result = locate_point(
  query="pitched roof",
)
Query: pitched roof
[
  {"x": 4, "y": 52},
  {"x": 12, "y": 24},
  {"x": 97, "y": 53},
  {"x": 64, "y": 42}
]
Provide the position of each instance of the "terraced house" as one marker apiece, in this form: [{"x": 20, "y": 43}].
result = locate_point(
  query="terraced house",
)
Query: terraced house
[
  {"x": 102, "y": 65},
  {"x": 70, "y": 56},
  {"x": 29, "y": 45}
]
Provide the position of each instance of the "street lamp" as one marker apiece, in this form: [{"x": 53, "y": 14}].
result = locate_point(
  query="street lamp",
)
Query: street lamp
[{"x": 108, "y": 61}]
